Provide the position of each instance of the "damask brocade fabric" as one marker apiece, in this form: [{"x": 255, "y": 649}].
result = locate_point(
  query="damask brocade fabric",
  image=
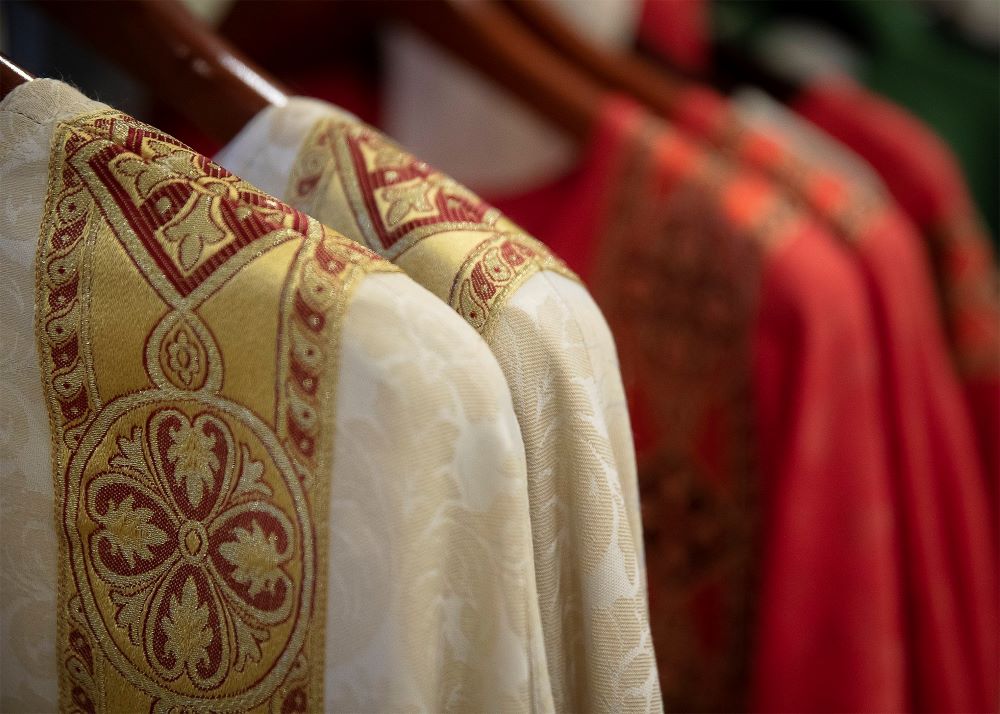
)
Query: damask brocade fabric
[
  {"x": 285, "y": 477},
  {"x": 752, "y": 370},
  {"x": 942, "y": 501},
  {"x": 557, "y": 356}
]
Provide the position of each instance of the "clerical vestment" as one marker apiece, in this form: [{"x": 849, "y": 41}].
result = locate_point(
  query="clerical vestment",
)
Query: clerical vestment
[
  {"x": 752, "y": 365},
  {"x": 249, "y": 465},
  {"x": 940, "y": 467},
  {"x": 967, "y": 288},
  {"x": 923, "y": 176},
  {"x": 557, "y": 355},
  {"x": 921, "y": 173}
]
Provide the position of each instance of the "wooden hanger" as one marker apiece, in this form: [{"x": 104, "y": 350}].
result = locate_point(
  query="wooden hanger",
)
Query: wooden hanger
[
  {"x": 485, "y": 35},
  {"x": 625, "y": 73},
  {"x": 490, "y": 39},
  {"x": 160, "y": 43},
  {"x": 653, "y": 85},
  {"x": 11, "y": 76}
]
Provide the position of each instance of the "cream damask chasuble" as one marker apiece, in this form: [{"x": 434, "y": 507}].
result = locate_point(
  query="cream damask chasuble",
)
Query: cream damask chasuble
[
  {"x": 326, "y": 511},
  {"x": 554, "y": 349}
]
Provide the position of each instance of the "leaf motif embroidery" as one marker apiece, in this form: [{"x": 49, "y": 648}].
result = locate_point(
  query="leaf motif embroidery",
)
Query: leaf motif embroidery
[
  {"x": 404, "y": 198},
  {"x": 130, "y": 531},
  {"x": 129, "y": 613},
  {"x": 251, "y": 480},
  {"x": 191, "y": 452},
  {"x": 179, "y": 160},
  {"x": 130, "y": 454},
  {"x": 248, "y": 641},
  {"x": 256, "y": 557},
  {"x": 188, "y": 634},
  {"x": 193, "y": 227},
  {"x": 145, "y": 177}
]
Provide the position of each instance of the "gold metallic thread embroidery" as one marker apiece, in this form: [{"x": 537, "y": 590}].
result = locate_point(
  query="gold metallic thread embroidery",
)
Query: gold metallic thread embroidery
[
  {"x": 493, "y": 271},
  {"x": 400, "y": 203},
  {"x": 193, "y": 525}
]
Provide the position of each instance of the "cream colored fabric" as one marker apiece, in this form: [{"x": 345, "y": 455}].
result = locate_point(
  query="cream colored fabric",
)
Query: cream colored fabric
[
  {"x": 560, "y": 363},
  {"x": 432, "y": 601}
]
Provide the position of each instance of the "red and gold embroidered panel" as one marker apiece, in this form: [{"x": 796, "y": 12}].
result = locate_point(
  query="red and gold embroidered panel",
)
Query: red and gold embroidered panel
[
  {"x": 831, "y": 195},
  {"x": 960, "y": 249},
  {"x": 678, "y": 277},
  {"x": 395, "y": 198},
  {"x": 188, "y": 327},
  {"x": 439, "y": 232}
]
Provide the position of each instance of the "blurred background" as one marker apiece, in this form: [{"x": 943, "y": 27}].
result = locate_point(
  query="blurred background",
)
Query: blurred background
[{"x": 936, "y": 58}]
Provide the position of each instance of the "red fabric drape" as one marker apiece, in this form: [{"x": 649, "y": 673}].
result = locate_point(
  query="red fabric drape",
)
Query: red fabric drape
[
  {"x": 925, "y": 179},
  {"x": 738, "y": 318},
  {"x": 943, "y": 492}
]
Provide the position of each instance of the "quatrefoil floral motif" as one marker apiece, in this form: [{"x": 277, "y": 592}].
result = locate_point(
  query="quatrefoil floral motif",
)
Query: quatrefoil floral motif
[{"x": 192, "y": 547}]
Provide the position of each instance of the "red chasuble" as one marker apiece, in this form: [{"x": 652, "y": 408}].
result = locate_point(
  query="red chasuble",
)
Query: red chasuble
[
  {"x": 942, "y": 490},
  {"x": 924, "y": 177},
  {"x": 752, "y": 362},
  {"x": 921, "y": 174}
]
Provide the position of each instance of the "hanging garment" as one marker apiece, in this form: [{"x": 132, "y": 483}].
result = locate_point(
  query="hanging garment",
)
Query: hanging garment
[
  {"x": 285, "y": 476},
  {"x": 967, "y": 285},
  {"x": 902, "y": 53},
  {"x": 556, "y": 352},
  {"x": 924, "y": 178},
  {"x": 930, "y": 189},
  {"x": 943, "y": 499},
  {"x": 921, "y": 173},
  {"x": 931, "y": 74},
  {"x": 905, "y": 52},
  {"x": 753, "y": 373}
]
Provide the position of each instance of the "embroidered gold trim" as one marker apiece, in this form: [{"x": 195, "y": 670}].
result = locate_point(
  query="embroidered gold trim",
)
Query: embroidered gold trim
[
  {"x": 968, "y": 288},
  {"x": 192, "y": 562},
  {"x": 494, "y": 271},
  {"x": 442, "y": 234}
]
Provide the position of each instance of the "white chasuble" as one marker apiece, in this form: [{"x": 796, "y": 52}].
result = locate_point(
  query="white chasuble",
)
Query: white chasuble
[
  {"x": 555, "y": 351},
  {"x": 248, "y": 465}
]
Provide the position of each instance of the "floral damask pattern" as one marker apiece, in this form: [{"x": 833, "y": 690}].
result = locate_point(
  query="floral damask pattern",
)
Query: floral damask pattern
[
  {"x": 439, "y": 373},
  {"x": 591, "y": 596}
]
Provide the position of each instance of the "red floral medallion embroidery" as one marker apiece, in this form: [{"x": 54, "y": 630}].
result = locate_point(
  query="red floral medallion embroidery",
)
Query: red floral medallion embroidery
[
  {"x": 191, "y": 567},
  {"x": 186, "y": 533}
]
